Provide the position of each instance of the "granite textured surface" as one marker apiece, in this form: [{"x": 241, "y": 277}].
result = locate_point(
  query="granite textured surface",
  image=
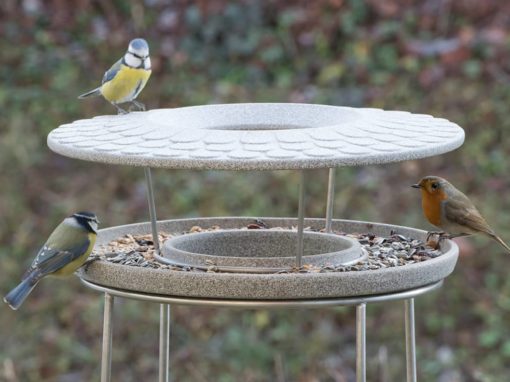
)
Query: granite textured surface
[
  {"x": 269, "y": 286},
  {"x": 259, "y": 248},
  {"x": 257, "y": 136}
]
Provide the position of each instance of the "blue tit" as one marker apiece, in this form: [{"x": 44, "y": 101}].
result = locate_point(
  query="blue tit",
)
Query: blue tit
[
  {"x": 126, "y": 78},
  {"x": 67, "y": 248}
]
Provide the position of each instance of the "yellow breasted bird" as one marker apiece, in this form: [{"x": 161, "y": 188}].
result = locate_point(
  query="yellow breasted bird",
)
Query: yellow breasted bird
[
  {"x": 67, "y": 248},
  {"x": 450, "y": 210},
  {"x": 126, "y": 78}
]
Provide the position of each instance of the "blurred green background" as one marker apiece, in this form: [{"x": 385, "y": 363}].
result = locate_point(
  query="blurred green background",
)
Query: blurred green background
[{"x": 448, "y": 58}]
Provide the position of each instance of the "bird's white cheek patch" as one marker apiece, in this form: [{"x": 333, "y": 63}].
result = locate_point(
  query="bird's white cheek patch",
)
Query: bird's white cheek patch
[
  {"x": 147, "y": 63},
  {"x": 132, "y": 61}
]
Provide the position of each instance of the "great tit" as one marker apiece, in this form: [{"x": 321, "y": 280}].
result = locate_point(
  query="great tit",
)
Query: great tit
[
  {"x": 67, "y": 248},
  {"x": 126, "y": 78}
]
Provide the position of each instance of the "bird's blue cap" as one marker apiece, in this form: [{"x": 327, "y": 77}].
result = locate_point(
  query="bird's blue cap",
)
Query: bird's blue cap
[{"x": 139, "y": 44}]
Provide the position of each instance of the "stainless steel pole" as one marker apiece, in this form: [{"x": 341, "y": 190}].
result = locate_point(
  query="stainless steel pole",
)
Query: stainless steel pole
[
  {"x": 410, "y": 341},
  {"x": 152, "y": 209},
  {"x": 331, "y": 199},
  {"x": 164, "y": 342},
  {"x": 301, "y": 218},
  {"x": 106, "y": 357},
  {"x": 361, "y": 343}
]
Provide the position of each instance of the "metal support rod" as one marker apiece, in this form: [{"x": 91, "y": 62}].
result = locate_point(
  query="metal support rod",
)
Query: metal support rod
[
  {"x": 301, "y": 218},
  {"x": 410, "y": 341},
  {"x": 331, "y": 199},
  {"x": 164, "y": 342},
  {"x": 152, "y": 209},
  {"x": 361, "y": 343},
  {"x": 106, "y": 358}
]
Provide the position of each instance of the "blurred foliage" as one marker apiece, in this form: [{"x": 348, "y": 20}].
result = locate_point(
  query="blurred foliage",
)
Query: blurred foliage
[{"x": 449, "y": 58}]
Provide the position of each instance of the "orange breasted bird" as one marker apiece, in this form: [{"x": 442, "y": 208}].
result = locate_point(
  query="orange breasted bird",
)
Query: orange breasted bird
[
  {"x": 67, "y": 248},
  {"x": 450, "y": 210}
]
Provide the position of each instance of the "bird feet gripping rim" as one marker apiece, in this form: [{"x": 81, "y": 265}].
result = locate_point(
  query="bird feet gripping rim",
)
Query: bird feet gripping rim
[
  {"x": 120, "y": 111},
  {"x": 441, "y": 235},
  {"x": 139, "y": 105}
]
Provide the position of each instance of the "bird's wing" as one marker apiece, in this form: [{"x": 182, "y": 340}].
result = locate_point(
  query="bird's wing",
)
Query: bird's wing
[
  {"x": 50, "y": 260},
  {"x": 464, "y": 213},
  {"x": 64, "y": 245},
  {"x": 112, "y": 72}
]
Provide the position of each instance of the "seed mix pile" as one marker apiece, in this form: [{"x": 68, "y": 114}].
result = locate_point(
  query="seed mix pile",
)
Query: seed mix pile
[{"x": 383, "y": 252}]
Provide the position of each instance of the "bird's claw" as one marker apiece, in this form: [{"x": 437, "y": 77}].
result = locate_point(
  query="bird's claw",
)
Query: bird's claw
[
  {"x": 120, "y": 111},
  {"x": 89, "y": 261},
  {"x": 434, "y": 238},
  {"x": 135, "y": 106},
  {"x": 440, "y": 234},
  {"x": 139, "y": 105}
]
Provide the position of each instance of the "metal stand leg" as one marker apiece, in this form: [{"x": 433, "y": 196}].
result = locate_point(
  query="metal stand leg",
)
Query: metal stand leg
[
  {"x": 331, "y": 199},
  {"x": 361, "y": 343},
  {"x": 410, "y": 341},
  {"x": 106, "y": 358},
  {"x": 301, "y": 218},
  {"x": 152, "y": 209},
  {"x": 164, "y": 343}
]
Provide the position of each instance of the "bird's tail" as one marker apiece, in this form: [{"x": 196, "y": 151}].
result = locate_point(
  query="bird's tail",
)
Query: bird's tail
[
  {"x": 93, "y": 93},
  {"x": 16, "y": 296},
  {"x": 500, "y": 241}
]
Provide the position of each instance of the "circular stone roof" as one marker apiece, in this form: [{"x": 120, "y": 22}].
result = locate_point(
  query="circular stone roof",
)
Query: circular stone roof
[{"x": 256, "y": 136}]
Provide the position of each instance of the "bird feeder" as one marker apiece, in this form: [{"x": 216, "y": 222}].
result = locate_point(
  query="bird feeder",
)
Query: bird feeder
[{"x": 262, "y": 268}]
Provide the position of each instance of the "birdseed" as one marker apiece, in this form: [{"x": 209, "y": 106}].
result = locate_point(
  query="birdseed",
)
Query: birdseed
[{"x": 383, "y": 252}]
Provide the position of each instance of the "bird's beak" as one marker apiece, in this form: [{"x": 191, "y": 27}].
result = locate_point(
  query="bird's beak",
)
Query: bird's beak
[{"x": 415, "y": 186}]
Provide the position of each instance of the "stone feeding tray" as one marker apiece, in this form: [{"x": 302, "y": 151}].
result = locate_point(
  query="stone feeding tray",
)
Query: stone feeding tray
[{"x": 330, "y": 281}]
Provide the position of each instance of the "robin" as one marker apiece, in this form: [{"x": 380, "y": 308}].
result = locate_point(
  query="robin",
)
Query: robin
[{"x": 450, "y": 210}]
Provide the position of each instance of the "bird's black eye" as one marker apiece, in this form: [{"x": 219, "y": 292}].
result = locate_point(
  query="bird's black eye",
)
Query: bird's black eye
[
  {"x": 435, "y": 186},
  {"x": 137, "y": 55}
]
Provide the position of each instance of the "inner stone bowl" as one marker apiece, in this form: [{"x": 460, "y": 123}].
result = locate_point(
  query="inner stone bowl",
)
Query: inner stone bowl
[{"x": 259, "y": 250}]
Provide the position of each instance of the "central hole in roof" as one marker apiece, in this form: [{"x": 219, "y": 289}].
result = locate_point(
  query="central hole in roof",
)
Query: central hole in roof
[{"x": 257, "y": 127}]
